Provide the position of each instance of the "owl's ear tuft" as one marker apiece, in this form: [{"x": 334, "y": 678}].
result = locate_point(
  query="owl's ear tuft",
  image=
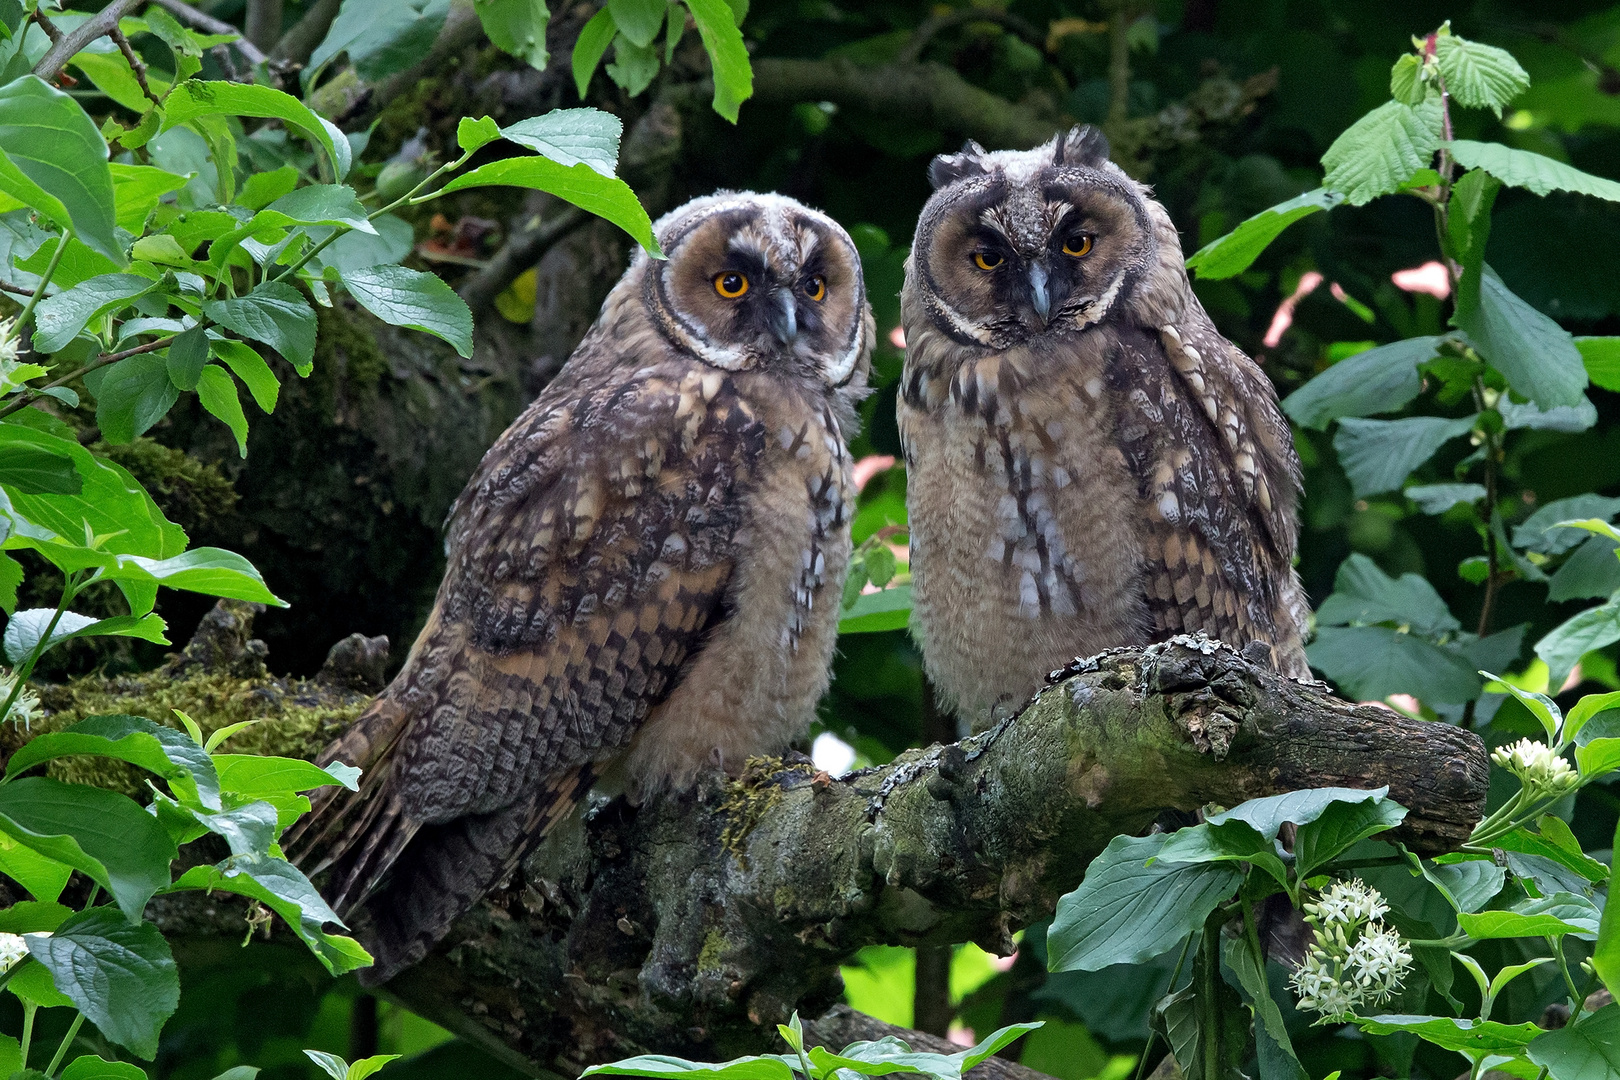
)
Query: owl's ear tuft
[
  {"x": 949, "y": 168},
  {"x": 1083, "y": 145}
]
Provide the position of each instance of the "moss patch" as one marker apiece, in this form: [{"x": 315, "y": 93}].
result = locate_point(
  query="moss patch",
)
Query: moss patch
[{"x": 751, "y": 795}]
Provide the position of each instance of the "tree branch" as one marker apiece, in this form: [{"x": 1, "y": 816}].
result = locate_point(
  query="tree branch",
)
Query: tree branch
[
  {"x": 61, "y": 51},
  {"x": 521, "y": 251},
  {"x": 692, "y": 924},
  {"x": 935, "y": 25}
]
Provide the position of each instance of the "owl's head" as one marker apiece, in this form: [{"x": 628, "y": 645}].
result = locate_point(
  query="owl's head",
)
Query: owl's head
[
  {"x": 1015, "y": 244},
  {"x": 761, "y": 281}
]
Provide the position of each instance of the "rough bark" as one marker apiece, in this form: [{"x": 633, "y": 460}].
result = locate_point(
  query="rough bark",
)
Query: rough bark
[{"x": 693, "y": 924}]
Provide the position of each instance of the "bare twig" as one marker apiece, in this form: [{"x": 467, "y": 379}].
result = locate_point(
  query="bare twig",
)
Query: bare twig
[
  {"x": 210, "y": 25},
  {"x": 935, "y": 25},
  {"x": 136, "y": 64},
  {"x": 97, "y": 25},
  {"x": 52, "y": 31},
  {"x": 522, "y": 250},
  {"x": 263, "y": 23},
  {"x": 34, "y": 393}
]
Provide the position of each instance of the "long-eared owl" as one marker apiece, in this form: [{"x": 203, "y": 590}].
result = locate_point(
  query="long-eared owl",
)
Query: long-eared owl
[
  {"x": 643, "y": 573},
  {"x": 1090, "y": 463}
]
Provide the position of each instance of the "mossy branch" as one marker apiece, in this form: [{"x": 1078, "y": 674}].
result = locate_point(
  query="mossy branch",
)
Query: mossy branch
[{"x": 692, "y": 924}]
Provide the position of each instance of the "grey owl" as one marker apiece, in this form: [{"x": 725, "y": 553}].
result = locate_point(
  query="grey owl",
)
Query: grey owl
[
  {"x": 643, "y": 573},
  {"x": 1090, "y": 463}
]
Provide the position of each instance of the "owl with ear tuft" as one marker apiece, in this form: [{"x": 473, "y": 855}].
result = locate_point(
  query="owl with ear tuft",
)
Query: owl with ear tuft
[
  {"x": 643, "y": 573},
  {"x": 1090, "y": 463}
]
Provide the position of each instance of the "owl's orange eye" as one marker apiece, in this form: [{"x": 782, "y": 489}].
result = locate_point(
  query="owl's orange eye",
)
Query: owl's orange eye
[
  {"x": 1079, "y": 246},
  {"x": 815, "y": 288},
  {"x": 731, "y": 285},
  {"x": 984, "y": 260}
]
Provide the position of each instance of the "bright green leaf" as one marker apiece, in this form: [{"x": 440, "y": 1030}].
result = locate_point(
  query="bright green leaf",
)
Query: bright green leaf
[
  {"x": 605, "y": 196},
  {"x": 137, "y": 190},
  {"x": 1474, "y": 1036},
  {"x": 216, "y": 391},
  {"x": 53, "y": 158},
  {"x": 1233, "y": 253},
  {"x": 517, "y": 27},
  {"x": 275, "y": 314},
  {"x": 168, "y": 753},
  {"x": 1601, "y": 357},
  {"x": 411, "y": 298},
  {"x": 472, "y": 134},
  {"x": 251, "y": 368},
  {"x": 593, "y": 41},
  {"x": 1532, "y": 171},
  {"x": 888, "y": 609},
  {"x": 1479, "y": 76},
  {"x": 1381, "y": 151},
  {"x": 572, "y": 136},
  {"x": 58, "y": 319},
  {"x": 195, "y": 98},
  {"x": 1589, "y": 1050},
  {"x": 257, "y": 775},
  {"x": 728, "y": 56}
]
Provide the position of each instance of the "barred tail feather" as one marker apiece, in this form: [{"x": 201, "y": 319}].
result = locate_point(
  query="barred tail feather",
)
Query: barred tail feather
[
  {"x": 450, "y": 867},
  {"x": 327, "y": 829}
]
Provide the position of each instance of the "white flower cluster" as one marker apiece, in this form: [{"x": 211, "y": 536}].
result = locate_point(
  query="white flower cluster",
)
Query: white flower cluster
[
  {"x": 10, "y": 341},
  {"x": 26, "y": 709},
  {"x": 12, "y": 950},
  {"x": 1355, "y": 959},
  {"x": 1536, "y": 765}
]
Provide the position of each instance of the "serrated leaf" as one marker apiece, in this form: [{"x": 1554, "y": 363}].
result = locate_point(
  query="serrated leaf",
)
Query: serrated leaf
[
  {"x": 1363, "y": 594},
  {"x": 1382, "y": 150},
  {"x": 572, "y": 136},
  {"x": 1479, "y": 76},
  {"x": 411, "y": 298},
  {"x": 1378, "y": 380},
  {"x": 197, "y": 98},
  {"x": 1529, "y": 170},
  {"x": 728, "y": 56},
  {"x": 58, "y": 319},
  {"x": 1378, "y": 455},
  {"x": 1405, "y": 81},
  {"x": 121, "y": 976},
  {"x": 381, "y": 39},
  {"x": 1536, "y": 355},
  {"x": 131, "y": 396},
  {"x": 275, "y": 314},
  {"x": 517, "y": 27},
  {"x": 1236, "y": 251}
]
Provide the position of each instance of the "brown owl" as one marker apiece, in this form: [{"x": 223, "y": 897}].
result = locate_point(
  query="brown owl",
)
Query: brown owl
[
  {"x": 643, "y": 574},
  {"x": 1090, "y": 463}
]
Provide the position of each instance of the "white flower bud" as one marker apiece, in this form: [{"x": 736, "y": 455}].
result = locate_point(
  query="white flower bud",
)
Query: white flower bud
[{"x": 12, "y": 951}]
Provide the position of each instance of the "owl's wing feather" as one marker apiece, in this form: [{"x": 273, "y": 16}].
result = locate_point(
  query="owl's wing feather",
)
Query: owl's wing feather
[
  {"x": 587, "y": 557},
  {"x": 1217, "y": 473}
]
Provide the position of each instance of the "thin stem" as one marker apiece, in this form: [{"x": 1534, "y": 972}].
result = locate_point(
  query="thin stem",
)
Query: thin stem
[
  {"x": 67, "y": 1041},
  {"x": 44, "y": 280},
  {"x": 1576, "y": 1001},
  {"x": 22, "y": 400},
  {"x": 26, "y": 668},
  {"x": 136, "y": 64},
  {"x": 29, "y": 1009},
  {"x": 1175, "y": 977}
]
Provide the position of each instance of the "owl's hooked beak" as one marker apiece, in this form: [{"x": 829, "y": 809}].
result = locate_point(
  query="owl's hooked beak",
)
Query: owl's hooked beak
[
  {"x": 1038, "y": 295},
  {"x": 785, "y": 320}
]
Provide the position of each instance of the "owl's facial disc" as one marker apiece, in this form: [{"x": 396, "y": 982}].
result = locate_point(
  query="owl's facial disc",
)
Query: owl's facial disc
[{"x": 760, "y": 281}]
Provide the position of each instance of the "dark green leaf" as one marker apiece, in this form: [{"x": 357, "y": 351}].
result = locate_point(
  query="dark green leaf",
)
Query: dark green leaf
[
  {"x": 1591, "y": 573},
  {"x": 195, "y": 98},
  {"x": 889, "y": 609},
  {"x": 58, "y": 319},
  {"x": 1535, "y": 354},
  {"x": 1378, "y": 380},
  {"x": 120, "y": 975},
  {"x": 1373, "y": 662},
  {"x": 1530, "y": 843},
  {"x": 1542, "y": 531},
  {"x": 594, "y": 39},
  {"x": 1467, "y": 885},
  {"x": 572, "y": 136},
  {"x": 92, "y": 1067},
  {"x": 381, "y": 39},
  {"x": 1381, "y": 151},
  {"x": 355, "y": 250},
  {"x": 1438, "y": 498},
  {"x": 1363, "y": 594},
  {"x": 1578, "y": 635},
  {"x": 1526, "y": 416},
  {"x": 1339, "y": 826},
  {"x": 216, "y": 391},
  {"x": 169, "y": 753},
  {"x": 605, "y": 196},
  {"x": 53, "y": 158},
  {"x": 1275, "y": 1049},
  {"x": 1606, "y": 951},
  {"x": 1378, "y": 455},
  {"x": 1233, "y": 253},
  {"x": 517, "y": 27},
  {"x": 1525, "y": 169},
  {"x": 1126, "y": 911},
  {"x": 421, "y": 301},
  {"x": 1589, "y": 1050},
  {"x": 1468, "y": 229},
  {"x": 132, "y": 395},
  {"x": 187, "y": 355},
  {"x": 102, "y": 834},
  {"x": 37, "y": 470},
  {"x": 728, "y": 56},
  {"x": 275, "y": 314}
]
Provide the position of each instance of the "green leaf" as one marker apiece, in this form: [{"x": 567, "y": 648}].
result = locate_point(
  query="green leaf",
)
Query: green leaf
[
  {"x": 194, "y": 98},
  {"x": 102, "y": 834},
  {"x": 1536, "y": 355},
  {"x": 318, "y": 204},
  {"x": 638, "y": 20},
  {"x": 110, "y": 73},
  {"x": 1378, "y": 455},
  {"x": 1606, "y": 951},
  {"x": 93, "y": 1067},
  {"x": 168, "y": 753},
  {"x": 380, "y": 39},
  {"x": 1369, "y": 663},
  {"x": 132, "y": 395},
  {"x": 1526, "y": 842},
  {"x": 1233, "y": 253},
  {"x": 605, "y": 196},
  {"x": 279, "y": 885},
  {"x": 1341, "y": 825},
  {"x": 1598, "y": 758},
  {"x": 1542, "y": 707},
  {"x": 1479, "y": 76},
  {"x": 256, "y": 775},
  {"x": 1468, "y": 230},
  {"x": 1126, "y": 911},
  {"x": 354, "y": 250},
  {"x": 121, "y": 976},
  {"x": 32, "y": 917},
  {"x": 1363, "y": 594},
  {"x": 594, "y": 38},
  {"x": 1578, "y": 635},
  {"x": 1438, "y": 498},
  {"x": 1405, "y": 82},
  {"x": 1378, "y": 380},
  {"x": 1532, "y": 171},
  {"x": 1544, "y": 530},
  {"x": 472, "y": 134},
  {"x": 1272, "y": 1044},
  {"x": 1230, "y": 841},
  {"x": 34, "y": 985},
  {"x": 37, "y": 470},
  {"x": 331, "y": 1064},
  {"x": 411, "y": 298},
  {"x": 1601, "y": 357},
  {"x": 1584, "y": 710},
  {"x": 208, "y": 570},
  {"x": 1471, "y": 1036},
  {"x": 1381, "y": 151},
  {"x": 1553, "y": 916},
  {"x": 572, "y": 136},
  {"x": 366, "y": 1066},
  {"x": 772, "y": 1067},
  {"x": 264, "y": 188},
  {"x": 634, "y": 67},
  {"x": 517, "y": 27},
  {"x": 1468, "y": 885},
  {"x": 53, "y": 158},
  {"x": 216, "y": 391},
  {"x": 1525, "y": 416},
  {"x": 41, "y": 875},
  {"x": 888, "y": 609},
  {"x": 251, "y": 368},
  {"x": 187, "y": 355},
  {"x": 1589, "y": 1050},
  {"x": 275, "y": 314},
  {"x": 728, "y": 56},
  {"x": 137, "y": 190},
  {"x": 58, "y": 319}
]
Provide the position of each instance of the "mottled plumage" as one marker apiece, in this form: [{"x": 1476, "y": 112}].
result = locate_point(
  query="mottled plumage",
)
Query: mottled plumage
[
  {"x": 1090, "y": 463},
  {"x": 643, "y": 574}
]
